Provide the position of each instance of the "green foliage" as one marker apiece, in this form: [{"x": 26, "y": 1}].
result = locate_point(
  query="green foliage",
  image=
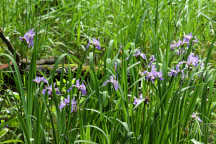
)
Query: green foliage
[{"x": 172, "y": 110}]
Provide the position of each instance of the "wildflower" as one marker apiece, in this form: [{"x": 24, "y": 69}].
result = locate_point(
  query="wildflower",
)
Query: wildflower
[
  {"x": 174, "y": 72},
  {"x": 73, "y": 105},
  {"x": 172, "y": 46},
  {"x": 178, "y": 66},
  {"x": 113, "y": 81},
  {"x": 192, "y": 60},
  {"x": 153, "y": 74},
  {"x": 137, "y": 101},
  {"x": 195, "y": 40},
  {"x": 195, "y": 117},
  {"x": 81, "y": 87},
  {"x": 40, "y": 79},
  {"x": 152, "y": 59},
  {"x": 138, "y": 53},
  {"x": 62, "y": 105},
  {"x": 180, "y": 51},
  {"x": 143, "y": 56},
  {"x": 187, "y": 38},
  {"x": 66, "y": 102},
  {"x": 48, "y": 89},
  {"x": 175, "y": 45},
  {"x": 159, "y": 75},
  {"x": 29, "y": 38},
  {"x": 94, "y": 42},
  {"x": 179, "y": 43}
]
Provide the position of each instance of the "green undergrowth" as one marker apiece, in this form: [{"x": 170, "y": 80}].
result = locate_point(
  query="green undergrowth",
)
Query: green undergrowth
[{"x": 138, "y": 90}]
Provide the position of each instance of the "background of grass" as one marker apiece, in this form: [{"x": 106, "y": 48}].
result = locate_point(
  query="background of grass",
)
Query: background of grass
[{"x": 106, "y": 116}]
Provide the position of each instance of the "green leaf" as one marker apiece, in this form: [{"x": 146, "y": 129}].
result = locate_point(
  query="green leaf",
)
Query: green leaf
[
  {"x": 84, "y": 141},
  {"x": 11, "y": 141},
  {"x": 3, "y": 132}
]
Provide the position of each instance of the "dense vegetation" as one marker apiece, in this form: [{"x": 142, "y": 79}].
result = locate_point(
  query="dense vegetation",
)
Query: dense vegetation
[{"x": 126, "y": 71}]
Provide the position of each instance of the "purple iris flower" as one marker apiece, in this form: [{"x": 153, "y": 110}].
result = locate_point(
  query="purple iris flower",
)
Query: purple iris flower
[
  {"x": 175, "y": 44},
  {"x": 113, "y": 81},
  {"x": 172, "y": 73},
  {"x": 94, "y": 42},
  {"x": 79, "y": 86},
  {"x": 180, "y": 51},
  {"x": 192, "y": 60},
  {"x": 29, "y": 38},
  {"x": 194, "y": 116},
  {"x": 62, "y": 105},
  {"x": 153, "y": 74},
  {"x": 48, "y": 89},
  {"x": 143, "y": 56},
  {"x": 138, "y": 53},
  {"x": 88, "y": 44},
  {"x": 172, "y": 46},
  {"x": 195, "y": 41},
  {"x": 73, "y": 105},
  {"x": 137, "y": 101},
  {"x": 152, "y": 58},
  {"x": 159, "y": 75},
  {"x": 187, "y": 38},
  {"x": 66, "y": 102},
  {"x": 179, "y": 43},
  {"x": 40, "y": 79},
  {"x": 178, "y": 66}
]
